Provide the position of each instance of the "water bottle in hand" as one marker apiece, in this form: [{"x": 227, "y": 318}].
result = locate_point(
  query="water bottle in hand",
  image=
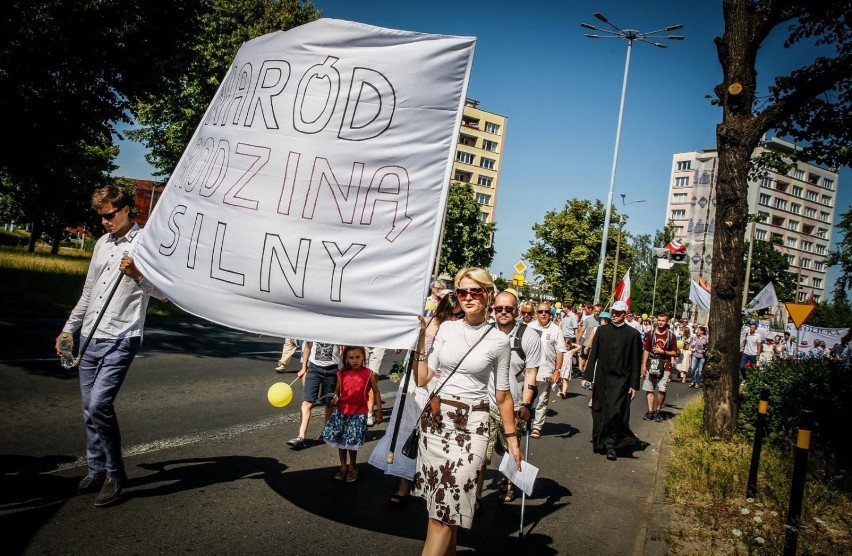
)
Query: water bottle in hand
[{"x": 66, "y": 344}]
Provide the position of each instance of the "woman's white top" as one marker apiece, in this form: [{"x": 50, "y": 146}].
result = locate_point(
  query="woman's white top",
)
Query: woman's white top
[{"x": 491, "y": 355}]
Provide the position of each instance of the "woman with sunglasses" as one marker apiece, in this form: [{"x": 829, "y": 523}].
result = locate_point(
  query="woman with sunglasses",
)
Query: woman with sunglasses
[
  {"x": 527, "y": 312},
  {"x": 454, "y": 426},
  {"x": 448, "y": 309}
]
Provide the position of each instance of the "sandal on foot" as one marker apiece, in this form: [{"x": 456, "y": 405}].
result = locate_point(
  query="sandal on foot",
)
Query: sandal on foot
[
  {"x": 507, "y": 495},
  {"x": 535, "y": 433},
  {"x": 341, "y": 475},
  {"x": 352, "y": 475}
]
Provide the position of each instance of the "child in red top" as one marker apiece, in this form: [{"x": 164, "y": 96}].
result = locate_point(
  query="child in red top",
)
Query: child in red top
[{"x": 346, "y": 430}]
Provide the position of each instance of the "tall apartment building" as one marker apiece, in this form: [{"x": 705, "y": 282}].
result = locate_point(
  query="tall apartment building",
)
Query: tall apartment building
[
  {"x": 478, "y": 155},
  {"x": 799, "y": 209}
]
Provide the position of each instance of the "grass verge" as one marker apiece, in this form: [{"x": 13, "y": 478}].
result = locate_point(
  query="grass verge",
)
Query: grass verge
[
  {"x": 41, "y": 284},
  {"x": 705, "y": 488}
]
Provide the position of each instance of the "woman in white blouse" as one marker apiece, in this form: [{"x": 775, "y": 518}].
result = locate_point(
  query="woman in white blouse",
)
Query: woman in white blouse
[{"x": 454, "y": 427}]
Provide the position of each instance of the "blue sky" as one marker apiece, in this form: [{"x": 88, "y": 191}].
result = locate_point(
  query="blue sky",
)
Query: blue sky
[{"x": 561, "y": 91}]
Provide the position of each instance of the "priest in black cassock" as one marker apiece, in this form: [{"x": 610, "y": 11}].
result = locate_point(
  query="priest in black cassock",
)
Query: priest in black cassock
[{"x": 613, "y": 370}]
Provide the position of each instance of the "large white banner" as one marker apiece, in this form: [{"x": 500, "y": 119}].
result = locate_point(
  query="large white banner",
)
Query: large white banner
[
  {"x": 808, "y": 333},
  {"x": 309, "y": 201}
]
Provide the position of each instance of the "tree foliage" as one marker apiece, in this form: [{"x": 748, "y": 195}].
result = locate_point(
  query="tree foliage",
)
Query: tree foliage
[
  {"x": 69, "y": 70},
  {"x": 170, "y": 114},
  {"x": 769, "y": 265},
  {"x": 811, "y": 105},
  {"x": 672, "y": 287},
  {"x": 842, "y": 255},
  {"x": 467, "y": 239},
  {"x": 566, "y": 251}
]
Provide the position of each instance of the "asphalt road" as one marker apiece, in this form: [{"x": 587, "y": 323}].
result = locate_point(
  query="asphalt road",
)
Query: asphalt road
[{"x": 209, "y": 470}]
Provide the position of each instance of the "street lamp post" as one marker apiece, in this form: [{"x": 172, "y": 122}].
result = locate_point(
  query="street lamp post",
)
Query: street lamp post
[
  {"x": 629, "y": 35},
  {"x": 618, "y": 243}
]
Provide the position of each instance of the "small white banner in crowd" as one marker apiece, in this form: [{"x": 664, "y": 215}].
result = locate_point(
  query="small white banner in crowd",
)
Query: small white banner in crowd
[
  {"x": 309, "y": 201},
  {"x": 808, "y": 333}
]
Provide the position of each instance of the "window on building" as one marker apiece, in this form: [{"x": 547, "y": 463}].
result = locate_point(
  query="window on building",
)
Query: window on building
[
  {"x": 798, "y": 174},
  {"x": 824, "y": 216},
  {"x": 812, "y": 195},
  {"x": 483, "y": 217},
  {"x": 483, "y": 199},
  {"x": 484, "y": 181},
  {"x": 822, "y": 233},
  {"x": 764, "y": 215},
  {"x": 467, "y": 140},
  {"x": 791, "y": 260},
  {"x": 463, "y": 176},
  {"x": 807, "y": 246},
  {"x": 760, "y": 234},
  {"x": 825, "y": 199},
  {"x": 782, "y": 186},
  {"x": 795, "y": 208},
  {"x": 781, "y": 204},
  {"x": 797, "y": 191},
  {"x": 807, "y": 229},
  {"x": 777, "y": 221},
  {"x": 684, "y": 164},
  {"x": 766, "y": 182},
  {"x": 813, "y": 178},
  {"x": 828, "y": 184},
  {"x": 819, "y": 249},
  {"x": 489, "y": 145},
  {"x": 793, "y": 225},
  {"x": 678, "y": 214},
  {"x": 764, "y": 199},
  {"x": 805, "y": 263},
  {"x": 679, "y": 198},
  {"x": 682, "y": 182},
  {"x": 487, "y": 163},
  {"x": 464, "y": 158},
  {"x": 791, "y": 242},
  {"x": 803, "y": 280},
  {"x": 677, "y": 231},
  {"x": 491, "y": 127},
  {"x": 802, "y": 296},
  {"x": 819, "y": 265},
  {"x": 810, "y": 212},
  {"x": 817, "y": 282}
]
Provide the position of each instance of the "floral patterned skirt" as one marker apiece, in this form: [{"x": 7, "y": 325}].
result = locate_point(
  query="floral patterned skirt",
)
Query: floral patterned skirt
[
  {"x": 450, "y": 460},
  {"x": 346, "y": 432}
]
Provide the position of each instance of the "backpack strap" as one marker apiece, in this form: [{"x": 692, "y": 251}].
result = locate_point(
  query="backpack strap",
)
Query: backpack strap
[{"x": 517, "y": 346}]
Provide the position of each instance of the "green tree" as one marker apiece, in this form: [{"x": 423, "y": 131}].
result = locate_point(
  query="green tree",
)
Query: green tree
[
  {"x": 70, "y": 71},
  {"x": 566, "y": 250},
  {"x": 170, "y": 115},
  {"x": 467, "y": 239},
  {"x": 811, "y": 105},
  {"x": 831, "y": 315},
  {"x": 842, "y": 256},
  {"x": 768, "y": 264}
]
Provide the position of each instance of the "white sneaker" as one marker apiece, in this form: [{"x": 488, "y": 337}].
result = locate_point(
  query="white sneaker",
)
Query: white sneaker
[{"x": 281, "y": 368}]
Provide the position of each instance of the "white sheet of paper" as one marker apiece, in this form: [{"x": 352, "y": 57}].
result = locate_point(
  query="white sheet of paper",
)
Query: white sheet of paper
[{"x": 523, "y": 479}]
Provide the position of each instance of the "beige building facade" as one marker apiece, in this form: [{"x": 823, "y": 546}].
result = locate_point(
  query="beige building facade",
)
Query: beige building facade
[
  {"x": 799, "y": 208},
  {"x": 478, "y": 155}
]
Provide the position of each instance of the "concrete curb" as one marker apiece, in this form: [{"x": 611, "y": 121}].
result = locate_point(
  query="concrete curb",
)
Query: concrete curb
[{"x": 656, "y": 532}]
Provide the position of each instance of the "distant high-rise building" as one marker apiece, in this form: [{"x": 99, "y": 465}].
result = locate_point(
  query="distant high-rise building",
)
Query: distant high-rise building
[
  {"x": 799, "y": 208},
  {"x": 477, "y": 161}
]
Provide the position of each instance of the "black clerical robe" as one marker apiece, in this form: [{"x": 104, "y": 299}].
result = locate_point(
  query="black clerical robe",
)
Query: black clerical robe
[{"x": 613, "y": 366}]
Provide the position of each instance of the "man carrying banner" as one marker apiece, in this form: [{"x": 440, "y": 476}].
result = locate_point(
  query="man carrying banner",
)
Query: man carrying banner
[{"x": 114, "y": 343}]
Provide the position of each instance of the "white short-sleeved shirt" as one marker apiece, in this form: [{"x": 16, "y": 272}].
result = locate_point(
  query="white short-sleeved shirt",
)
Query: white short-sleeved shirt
[
  {"x": 552, "y": 343},
  {"x": 569, "y": 325},
  {"x": 491, "y": 356},
  {"x": 531, "y": 344}
]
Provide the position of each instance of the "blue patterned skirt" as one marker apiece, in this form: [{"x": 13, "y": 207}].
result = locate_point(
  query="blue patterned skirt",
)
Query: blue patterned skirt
[{"x": 346, "y": 432}]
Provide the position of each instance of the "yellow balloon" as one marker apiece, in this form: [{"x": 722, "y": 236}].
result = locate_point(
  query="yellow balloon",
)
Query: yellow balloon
[
  {"x": 558, "y": 306},
  {"x": 644, "y": 316},
  {"x": 280, "y": 394},
  {"x": 431, "y": 305},
  {"x": 680, "y": 344}
]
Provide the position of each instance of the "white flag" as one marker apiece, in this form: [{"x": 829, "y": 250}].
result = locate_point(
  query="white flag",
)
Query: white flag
[
  {"x": 699, "y": 296},
  {"x": 308, "y": 203},
  {"x": 765, "y": 298}
]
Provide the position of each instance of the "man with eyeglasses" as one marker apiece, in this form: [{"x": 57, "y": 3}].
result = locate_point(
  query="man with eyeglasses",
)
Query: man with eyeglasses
[
  {"x": 523, "y": 366},
  {"x": 552, "y": 351},
  {"x": 114, "y": 342}
]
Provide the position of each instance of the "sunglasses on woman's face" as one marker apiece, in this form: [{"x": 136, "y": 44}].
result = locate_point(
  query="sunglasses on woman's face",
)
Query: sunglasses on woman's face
[
  {"x": 528, "y": 313},
  {"x": 475, "y": 293}
]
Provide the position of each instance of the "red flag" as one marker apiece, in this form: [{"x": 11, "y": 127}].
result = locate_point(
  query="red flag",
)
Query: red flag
[{"x": 622, "y": 290}]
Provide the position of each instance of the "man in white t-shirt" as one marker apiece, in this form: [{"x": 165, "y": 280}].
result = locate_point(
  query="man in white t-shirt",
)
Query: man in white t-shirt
[
  {"x": 320, "y": 363},
  {"x": 552, "y": 352},
  {"x": 751, "y": 345}
]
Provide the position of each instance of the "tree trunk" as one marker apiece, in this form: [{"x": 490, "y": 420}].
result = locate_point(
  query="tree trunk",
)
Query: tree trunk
[
  {"x": 35, "y": 234},
  {"x": 736, "y": 137},
  {"x": 55, "y": 240}
]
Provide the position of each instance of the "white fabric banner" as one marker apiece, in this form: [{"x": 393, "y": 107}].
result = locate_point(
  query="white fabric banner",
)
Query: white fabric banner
[
  {"x": 808, "y": 333},
  {"x": 765, "y": 298},
  {"x": 699, "y": 296},
  {"x": 309, "y": 201}
]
